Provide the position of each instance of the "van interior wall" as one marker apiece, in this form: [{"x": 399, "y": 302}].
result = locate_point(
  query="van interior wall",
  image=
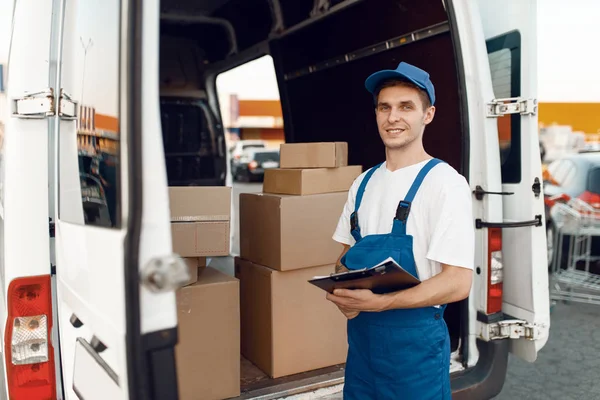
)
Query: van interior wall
[{"x": 333, "y": 104}]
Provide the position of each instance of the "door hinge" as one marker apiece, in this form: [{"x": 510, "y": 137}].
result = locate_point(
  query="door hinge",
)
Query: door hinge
[
  {"x": 41, "y": 105},
  {"x": 513, "y": 105},
  {"x": 513, "y": 329}
]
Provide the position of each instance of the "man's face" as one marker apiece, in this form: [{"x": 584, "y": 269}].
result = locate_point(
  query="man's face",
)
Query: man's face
[{"x": 400, "y": 116}]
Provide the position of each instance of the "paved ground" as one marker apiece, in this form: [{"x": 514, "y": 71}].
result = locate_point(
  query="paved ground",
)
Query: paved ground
[{"x": 568, "y": 368}]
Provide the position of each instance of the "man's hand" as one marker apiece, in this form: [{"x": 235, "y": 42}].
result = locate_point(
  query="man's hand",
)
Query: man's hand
[
  {"x": 349, "y": 313},
  {"x": 354, "y": 301}
]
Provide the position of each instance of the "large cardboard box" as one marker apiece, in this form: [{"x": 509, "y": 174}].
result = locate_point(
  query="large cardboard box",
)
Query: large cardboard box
[
  {"x": 208, "y": 352},
  {"x": 200, "y": 220},
  {"x": 290, "y": 232},
  {"x": 288, "y": 326},
  {"x": 314, "y": 155},
  {"x": 310, "y": 181}
]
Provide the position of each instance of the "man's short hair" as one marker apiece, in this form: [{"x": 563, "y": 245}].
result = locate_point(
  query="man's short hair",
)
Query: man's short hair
[{"x": 405, "y": 83}]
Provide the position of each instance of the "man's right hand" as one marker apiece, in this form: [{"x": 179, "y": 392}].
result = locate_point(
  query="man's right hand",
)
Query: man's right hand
[{"x": 349, "y": 313}]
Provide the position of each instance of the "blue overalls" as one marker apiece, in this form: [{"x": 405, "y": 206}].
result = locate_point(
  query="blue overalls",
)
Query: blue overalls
[{"x": 402, "y": 353}]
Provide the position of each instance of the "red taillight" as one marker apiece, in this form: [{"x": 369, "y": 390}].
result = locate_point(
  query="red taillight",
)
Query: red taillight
[
  {"x": 495, "y": 271},
  {"x": 27, "y": 345},
  {"x": 253, "y": 165}
]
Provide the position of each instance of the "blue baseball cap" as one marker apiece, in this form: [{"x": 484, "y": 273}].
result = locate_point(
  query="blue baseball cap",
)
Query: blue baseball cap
[{"x": 403, "y": 71}]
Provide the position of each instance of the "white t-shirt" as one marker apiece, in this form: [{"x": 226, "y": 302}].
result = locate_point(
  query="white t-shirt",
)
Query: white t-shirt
[{"x": 440, "y": 220}]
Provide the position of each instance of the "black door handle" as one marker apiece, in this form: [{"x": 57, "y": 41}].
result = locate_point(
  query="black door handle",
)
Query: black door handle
[{"x": 479, "y": 224}]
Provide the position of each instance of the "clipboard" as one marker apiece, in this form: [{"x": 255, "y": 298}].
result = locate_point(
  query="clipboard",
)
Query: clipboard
[{"x": 385, "y": 277}]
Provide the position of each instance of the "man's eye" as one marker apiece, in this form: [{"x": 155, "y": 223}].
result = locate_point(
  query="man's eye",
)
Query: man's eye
[{"x": 383, "y": 108}]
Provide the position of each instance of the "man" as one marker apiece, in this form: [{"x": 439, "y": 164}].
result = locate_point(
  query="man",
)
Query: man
[{"x": 417, "y": 210}]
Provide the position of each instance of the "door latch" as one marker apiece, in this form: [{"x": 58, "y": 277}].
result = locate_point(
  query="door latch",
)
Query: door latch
[{"x": 163, "y": 274}]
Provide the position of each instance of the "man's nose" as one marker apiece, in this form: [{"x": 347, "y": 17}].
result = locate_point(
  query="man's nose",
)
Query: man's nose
[{"x": 395, "y": 115}]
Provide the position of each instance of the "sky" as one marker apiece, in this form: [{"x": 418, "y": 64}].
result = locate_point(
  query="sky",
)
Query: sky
[{"x": 568, "y": 57}]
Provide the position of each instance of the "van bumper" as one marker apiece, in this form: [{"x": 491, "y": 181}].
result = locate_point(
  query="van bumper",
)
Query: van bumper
[{"x": 486, "y": 379}]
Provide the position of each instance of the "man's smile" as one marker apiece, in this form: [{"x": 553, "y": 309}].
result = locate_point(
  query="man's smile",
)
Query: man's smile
[{"x": 395, "y": 131}]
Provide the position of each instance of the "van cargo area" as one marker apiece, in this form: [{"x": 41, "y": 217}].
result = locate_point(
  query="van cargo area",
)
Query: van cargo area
[{"x": 322, "y": 52}]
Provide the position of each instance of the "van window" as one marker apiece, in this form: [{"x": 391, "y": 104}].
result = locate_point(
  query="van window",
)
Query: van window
[
  {"x": 249, "y": 105},
  {"x": 594, "y": 180},
  {"x": 89, "y": 169},
  {"x": 504, "y": 53}
]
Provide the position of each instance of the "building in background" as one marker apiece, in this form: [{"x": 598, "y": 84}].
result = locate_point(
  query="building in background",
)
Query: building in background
[{"x": 252, "y": 120}]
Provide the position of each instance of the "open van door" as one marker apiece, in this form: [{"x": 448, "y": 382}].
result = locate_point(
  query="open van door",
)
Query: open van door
[
  {"x": 115, "y": 273},
  {"x": 510, "y": 31}
]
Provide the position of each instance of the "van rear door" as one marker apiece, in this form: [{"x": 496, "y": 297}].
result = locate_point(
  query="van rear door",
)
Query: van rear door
[
  {"x": 116, "y": 278},
  {"x": 511, "y": 38}
]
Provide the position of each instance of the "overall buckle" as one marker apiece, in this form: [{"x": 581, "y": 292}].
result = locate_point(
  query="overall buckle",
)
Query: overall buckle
[
  {"x": 353, "y": 221},
  {"x": 403, "y": 210}
]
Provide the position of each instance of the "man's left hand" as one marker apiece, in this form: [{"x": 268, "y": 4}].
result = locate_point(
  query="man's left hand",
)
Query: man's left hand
[{"x": 358, "y": 300}]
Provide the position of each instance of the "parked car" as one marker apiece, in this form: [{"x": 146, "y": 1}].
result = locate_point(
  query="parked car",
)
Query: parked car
[
  {"x": 240, "y": 147},
  {"x": 253, "y": 163},
  {"x": 572, "y": 176}
]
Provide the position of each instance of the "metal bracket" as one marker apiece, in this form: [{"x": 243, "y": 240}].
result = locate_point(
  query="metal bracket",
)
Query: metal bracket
[
  {"x": 513, "y": 329},
  {"x": 40, "y": 105},
  {"x": 513, "y": 105},
  {"x": 37, "y": 105},
  {"x": 67, "y": 109}
]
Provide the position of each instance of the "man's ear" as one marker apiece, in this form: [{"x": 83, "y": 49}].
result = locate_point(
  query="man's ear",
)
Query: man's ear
[{"x": 429, "y": 114}]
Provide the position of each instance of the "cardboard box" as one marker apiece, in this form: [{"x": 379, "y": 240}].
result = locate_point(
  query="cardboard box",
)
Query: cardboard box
[
  {"x": 192, "y": 265},
  {"x": 310, "y": 181},
  {"x": 314, "y": 155},
  {"x": 208, "y": 352},
  {"x": 200, "y": 220},
  {"x": 288, "y": 326},
  {"x": 290, "y": 232}
]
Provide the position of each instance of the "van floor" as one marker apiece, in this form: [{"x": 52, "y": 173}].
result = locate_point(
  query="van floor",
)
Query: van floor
[{"x": 255, "y": 383}]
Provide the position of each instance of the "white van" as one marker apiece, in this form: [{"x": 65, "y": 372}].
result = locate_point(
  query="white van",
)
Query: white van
[{"x": 87, "y": 312}]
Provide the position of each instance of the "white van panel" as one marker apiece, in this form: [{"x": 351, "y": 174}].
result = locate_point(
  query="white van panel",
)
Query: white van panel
[
  {"x": 525, "y": 294},
  {"x": 484, "y": 160},
  {"x": 157, "y": 309}
]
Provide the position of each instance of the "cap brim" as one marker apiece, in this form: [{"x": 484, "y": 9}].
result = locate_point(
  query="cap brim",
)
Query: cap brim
[{"x": 375, "y": 79}]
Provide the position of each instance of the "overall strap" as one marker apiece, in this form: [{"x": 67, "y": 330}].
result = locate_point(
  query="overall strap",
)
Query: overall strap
[
  {"x": 354, "y": 227},
  {"x": 404, "y": 206}
]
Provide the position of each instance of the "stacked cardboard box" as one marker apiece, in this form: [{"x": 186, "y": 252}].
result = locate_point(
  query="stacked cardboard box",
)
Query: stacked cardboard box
[
  {"x": 287, "y": 325},
  {"x": 208, "y": 351}
]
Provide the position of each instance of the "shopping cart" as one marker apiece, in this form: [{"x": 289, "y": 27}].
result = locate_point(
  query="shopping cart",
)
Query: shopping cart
[{"x": 577, "y": 222}]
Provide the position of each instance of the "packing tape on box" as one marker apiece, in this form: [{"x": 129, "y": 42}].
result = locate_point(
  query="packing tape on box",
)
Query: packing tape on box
[{"x": 200, "y": 218}]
